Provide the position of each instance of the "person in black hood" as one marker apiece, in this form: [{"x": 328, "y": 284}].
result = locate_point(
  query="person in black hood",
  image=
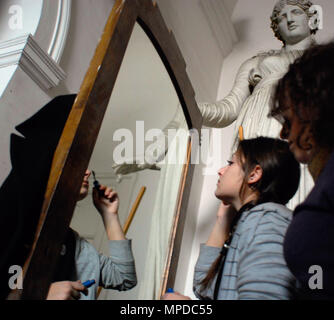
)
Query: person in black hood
[{"x": 22, "y": 193}]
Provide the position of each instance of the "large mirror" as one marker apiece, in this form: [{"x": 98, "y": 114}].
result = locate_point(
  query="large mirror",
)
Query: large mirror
[
  {"x": 135, "y": 89},
  {"x": 143, "y": 104}
]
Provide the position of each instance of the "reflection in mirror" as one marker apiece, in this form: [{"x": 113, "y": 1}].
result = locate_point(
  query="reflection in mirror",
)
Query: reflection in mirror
[{"x": 133, "y": 151}]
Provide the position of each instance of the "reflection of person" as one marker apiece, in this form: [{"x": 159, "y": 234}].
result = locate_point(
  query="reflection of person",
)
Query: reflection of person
[
  {"x": 253, "y": 184},
  {"x": 248, "y": 103},
  {"x": 304, "y": 104},
  {"x": 22, "y": 193},
  {"x": 81, "y": 261}
]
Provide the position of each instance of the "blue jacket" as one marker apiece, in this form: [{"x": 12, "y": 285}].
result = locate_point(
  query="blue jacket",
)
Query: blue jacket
[{"x": 254, "y": 268}]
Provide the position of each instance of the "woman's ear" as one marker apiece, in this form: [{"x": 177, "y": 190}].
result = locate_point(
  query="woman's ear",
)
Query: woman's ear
[{"x": 255, "y": 175}]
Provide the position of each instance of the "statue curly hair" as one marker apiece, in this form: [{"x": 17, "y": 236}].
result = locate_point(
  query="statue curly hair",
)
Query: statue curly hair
[
  {"x": 308, "y": 88},
  {"x": 305, "y": 5}
]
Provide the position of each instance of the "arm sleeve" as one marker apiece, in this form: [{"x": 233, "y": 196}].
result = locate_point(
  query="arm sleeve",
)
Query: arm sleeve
[
  {"x": 262, "y": 271},
  {"x": 207, "y": 257},
  {"x": 224, "y": 112},
  {"x": 118, "y": 271}
]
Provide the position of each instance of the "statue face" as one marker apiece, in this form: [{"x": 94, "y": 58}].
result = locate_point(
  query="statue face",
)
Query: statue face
[{"x": 293, "y": 24}]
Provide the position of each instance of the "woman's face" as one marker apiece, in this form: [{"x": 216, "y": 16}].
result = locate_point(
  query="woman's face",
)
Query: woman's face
[
  {"x": 230, "y": 181},
  {"x": 293, "y": 24},
  {"x": 299, "y": 136}
]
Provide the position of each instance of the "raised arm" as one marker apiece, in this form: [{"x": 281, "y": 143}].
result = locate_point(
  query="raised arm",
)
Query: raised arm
[
  {"x": 118, "y": 270},
  {"x": 106, "y": 202},
  {"x": 221, "y": 228},
  {"x": 224, "y": 112},
  {"x": 210, "y": 251}
]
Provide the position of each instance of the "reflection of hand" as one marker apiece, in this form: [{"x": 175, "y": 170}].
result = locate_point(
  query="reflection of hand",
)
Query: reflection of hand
[
  {"x": 106, "y": 200},
  {"x": 174, "y": 296},
  {"x": 66, "y": 290}
]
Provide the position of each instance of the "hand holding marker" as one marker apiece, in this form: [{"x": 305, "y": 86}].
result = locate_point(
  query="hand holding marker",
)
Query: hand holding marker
[{"x": 88, "y": 283}]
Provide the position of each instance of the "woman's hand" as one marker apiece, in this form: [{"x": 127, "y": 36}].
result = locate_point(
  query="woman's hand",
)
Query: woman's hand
[
  {"x": 221, "y": 230},
  {"x": 225, "y": 214},
  {"x": 223, "y": 210},
  {"x": 66, "y": 290},
  {"x": 106, "y": 200}
]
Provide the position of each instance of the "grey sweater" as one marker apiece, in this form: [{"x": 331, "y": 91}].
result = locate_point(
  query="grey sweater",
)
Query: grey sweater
[
  {"x": 255, "y": 268},
  {"x": 114, "y": 272}
]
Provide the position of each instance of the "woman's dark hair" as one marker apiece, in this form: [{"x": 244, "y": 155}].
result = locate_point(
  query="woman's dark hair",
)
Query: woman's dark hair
[
  {"x": 280, "y": 170},
  {"x": 308, "y": 89},
  {"x": 279, "y": 181}
]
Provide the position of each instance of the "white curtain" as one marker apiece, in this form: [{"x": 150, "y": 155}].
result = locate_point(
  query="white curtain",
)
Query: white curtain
[{"x": 163, "y": 213}]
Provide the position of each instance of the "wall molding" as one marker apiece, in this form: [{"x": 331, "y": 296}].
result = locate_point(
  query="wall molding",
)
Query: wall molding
[
  {"x": 221, "y": 25},
  {"x": 61, "y": 29},
  {"x": 25, "y": 52}
]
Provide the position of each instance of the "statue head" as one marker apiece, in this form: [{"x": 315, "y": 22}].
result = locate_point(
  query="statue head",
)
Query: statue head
[{"x": 280, "y": 6}]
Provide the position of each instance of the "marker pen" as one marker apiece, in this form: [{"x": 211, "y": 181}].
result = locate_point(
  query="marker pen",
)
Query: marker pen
[
  {"x": 88, "y": 283},
  {"x": 97, "y": 185}
]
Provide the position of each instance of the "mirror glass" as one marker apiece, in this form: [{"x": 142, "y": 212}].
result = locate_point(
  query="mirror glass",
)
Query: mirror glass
[{"x": 144, "y": 119}]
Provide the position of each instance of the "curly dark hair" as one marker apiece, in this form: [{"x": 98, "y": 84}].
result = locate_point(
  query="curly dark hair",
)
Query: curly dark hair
[
  {"x": 305, "y": 5},
  {"x": 308, "y": 89}
]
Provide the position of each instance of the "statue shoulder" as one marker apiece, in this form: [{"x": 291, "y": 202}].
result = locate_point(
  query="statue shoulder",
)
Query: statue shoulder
[{"x": 264, "y": 54}]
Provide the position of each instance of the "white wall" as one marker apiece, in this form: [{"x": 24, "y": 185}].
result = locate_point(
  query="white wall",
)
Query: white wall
[
  {"x": 197, "y": 43},
  {"x": 252, "y": 23}
]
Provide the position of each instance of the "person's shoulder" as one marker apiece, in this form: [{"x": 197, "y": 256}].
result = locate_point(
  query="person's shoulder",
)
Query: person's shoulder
[
  {"x": 265, "y": 220},
  {"x": 268, "y": 208},
  {"x": 257, "y": 58},
  {"x": 82, "y": 246},
  {"x": 266, "y": 215}
]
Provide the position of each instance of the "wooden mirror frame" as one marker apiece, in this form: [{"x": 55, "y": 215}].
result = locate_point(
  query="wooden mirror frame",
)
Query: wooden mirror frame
[{"x": 78, "y": 139}]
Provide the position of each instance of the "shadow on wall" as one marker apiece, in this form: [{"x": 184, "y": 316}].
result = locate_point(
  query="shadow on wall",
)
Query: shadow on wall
[{"x": 242, "y": 27}]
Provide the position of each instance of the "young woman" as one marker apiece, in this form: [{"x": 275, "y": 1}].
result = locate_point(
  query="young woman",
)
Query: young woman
[
  {"x": 304, "y": 104},
  {"x": 243, "y": 257}
]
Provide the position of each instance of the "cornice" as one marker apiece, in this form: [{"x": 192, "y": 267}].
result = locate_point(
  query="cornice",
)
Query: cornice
[{"x": 25, "y": 52}]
